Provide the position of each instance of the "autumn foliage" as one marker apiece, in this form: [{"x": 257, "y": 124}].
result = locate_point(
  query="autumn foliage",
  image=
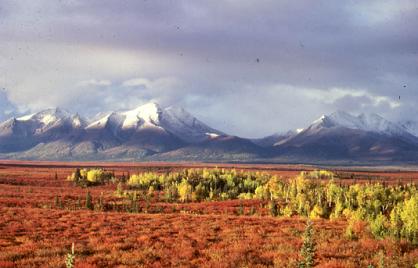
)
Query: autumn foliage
[{"x": 179, "y": 216}]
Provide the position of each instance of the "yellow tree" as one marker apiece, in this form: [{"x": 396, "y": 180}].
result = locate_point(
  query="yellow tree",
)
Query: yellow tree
[
  {"x": 409, "y": 216},
  {"x": 185, "y": 191}
]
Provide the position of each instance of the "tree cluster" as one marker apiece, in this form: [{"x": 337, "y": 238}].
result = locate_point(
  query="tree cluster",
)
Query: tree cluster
[
  {"x": 90, "y": 177},
  {"x": 389, "y": 210}
]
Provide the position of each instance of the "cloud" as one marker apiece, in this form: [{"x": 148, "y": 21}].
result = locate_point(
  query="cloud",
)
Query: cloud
[
  {"x": 137, "y": 82},
  {"x": 252, "y": 68},
  {"x": 94, "y": 82},
  {"x": 99, "y": 96},
  {"x": 8, "y": 109}
]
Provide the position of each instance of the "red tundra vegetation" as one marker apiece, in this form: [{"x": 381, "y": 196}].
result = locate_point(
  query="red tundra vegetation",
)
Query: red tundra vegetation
[{"x": 42, "y": 214}]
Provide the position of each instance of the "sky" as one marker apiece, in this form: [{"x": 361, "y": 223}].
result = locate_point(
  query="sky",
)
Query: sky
[{"x": 248, "y": 68}]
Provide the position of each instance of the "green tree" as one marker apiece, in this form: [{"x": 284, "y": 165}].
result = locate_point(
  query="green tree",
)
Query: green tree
[
  {"x": 241, "y": 209},
  {"x": 89, "y": 202},
  {"x": 273, "y": 208},
  {"x": 78, "y": 203},
  {"x": 307, "y": 251},
  {"x": 56, "y": 201},
  {"x": 77, "y": 176},
  {"x": 101, "y": 204}
]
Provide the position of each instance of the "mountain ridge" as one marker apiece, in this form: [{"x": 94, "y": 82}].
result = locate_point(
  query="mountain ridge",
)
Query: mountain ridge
[{"x": 152, "y": 132}]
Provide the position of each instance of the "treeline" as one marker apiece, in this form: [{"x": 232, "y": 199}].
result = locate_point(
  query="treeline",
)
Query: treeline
[{"x": 200, "y": 184}]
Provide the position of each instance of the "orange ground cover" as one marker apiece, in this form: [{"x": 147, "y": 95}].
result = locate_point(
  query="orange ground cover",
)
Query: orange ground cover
[{"x": 36, "y": 233}]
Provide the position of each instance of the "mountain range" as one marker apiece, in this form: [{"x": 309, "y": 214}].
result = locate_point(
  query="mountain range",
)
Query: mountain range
[{"x": 153, "y": 133}]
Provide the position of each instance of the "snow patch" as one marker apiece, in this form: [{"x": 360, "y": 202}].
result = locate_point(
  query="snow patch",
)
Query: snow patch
[
  {"x": 319, "y": 120},
  {"x": 26, "y": 117},
  {"x": 148, "y": 113},
  {"x": 101, "y": 123},
  {"x": 212, "y": 135}
]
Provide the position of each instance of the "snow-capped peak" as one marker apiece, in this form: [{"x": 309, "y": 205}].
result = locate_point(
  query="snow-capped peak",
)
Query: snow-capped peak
[
  {"x": 319, "y": 120},
  {"x": 77, "y": 121},
  {"x": 367, "y": 122},
  {"x": 148, "y": 113},
  {"x": 172, "y": 120},
  {"x": 44, "y": 121},
  {"x": 338, "y": 118},
  {"x": 46, "y": 117}
]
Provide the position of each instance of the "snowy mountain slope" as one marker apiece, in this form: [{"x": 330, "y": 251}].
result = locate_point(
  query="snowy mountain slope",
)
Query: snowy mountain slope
[
  {"x": 150, "y": 127},
  {"x": 343, "y": 136},
  {"x": 144, "y": 130},
  {"x": 175, "y": 121},
  {"x": 147, "y": 115},
  {"x": 182, "y": 124},
  {"x": 24, "y": 132},
  {"x": 366, "y": 122},
  {"x": 150, "y": 132},
  {"x": 105, "y": 131},
  {"x": 52, "y": 118},
  {"x": 411, "y": 127}
]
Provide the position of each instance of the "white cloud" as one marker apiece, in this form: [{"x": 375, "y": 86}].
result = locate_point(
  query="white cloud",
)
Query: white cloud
[
  {"x": 135, "y": 82},
  {"x": 334, "y": 94},
  {"x": 94, "y": 82},
  {"x": 38, "y": 80},
  {"x": 376, "y": 11},
  {"x": 7, "y": 109}
]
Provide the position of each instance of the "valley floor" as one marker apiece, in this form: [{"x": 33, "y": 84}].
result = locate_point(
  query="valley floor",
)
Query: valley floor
[
  {"x": 41, "y": 238},
  {"x": 36, "y": 231}
]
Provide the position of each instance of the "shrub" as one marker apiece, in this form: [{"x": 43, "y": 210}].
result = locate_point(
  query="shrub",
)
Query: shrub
[
  {"x": 70, "y": 258},
  {"x": 273, "y": 208},
  {"x": 379, "y": 226},
  {"x": 307, "y": 251},
  {"x": 317, "y": 212},
  {"x": 288, "y": 211}
]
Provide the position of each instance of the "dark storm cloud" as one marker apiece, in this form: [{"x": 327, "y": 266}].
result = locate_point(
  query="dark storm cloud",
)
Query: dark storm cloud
[{"x": 272, "y": 55}]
